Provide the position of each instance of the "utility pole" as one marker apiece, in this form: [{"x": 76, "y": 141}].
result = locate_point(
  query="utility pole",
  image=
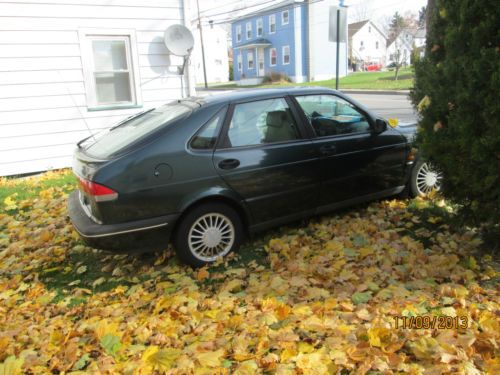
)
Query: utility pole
[
  {"x": 202, "y": 47},
  {"x": 338, "y": 51}
]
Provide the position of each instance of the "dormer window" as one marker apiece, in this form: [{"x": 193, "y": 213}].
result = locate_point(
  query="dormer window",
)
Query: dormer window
[{"x": 369, "y": 29}]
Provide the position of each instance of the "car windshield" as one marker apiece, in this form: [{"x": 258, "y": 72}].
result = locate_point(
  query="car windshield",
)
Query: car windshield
[{"x": 112, "y": 141}]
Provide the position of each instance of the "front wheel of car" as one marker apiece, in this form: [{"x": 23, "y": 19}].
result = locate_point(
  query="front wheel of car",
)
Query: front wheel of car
[
  {"x": 208, "y": 232},
  {"x": 425, "y": 178}
]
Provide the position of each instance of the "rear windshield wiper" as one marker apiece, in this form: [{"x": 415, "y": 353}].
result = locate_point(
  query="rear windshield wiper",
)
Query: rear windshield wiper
[{"x": 131, "y": 118}]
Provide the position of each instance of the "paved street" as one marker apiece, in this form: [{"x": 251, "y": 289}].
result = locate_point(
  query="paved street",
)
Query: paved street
[{"x": 386, "y": 105}]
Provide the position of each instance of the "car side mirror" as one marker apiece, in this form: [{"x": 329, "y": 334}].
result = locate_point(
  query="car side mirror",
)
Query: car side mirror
[{"x": 379, "y": 126}]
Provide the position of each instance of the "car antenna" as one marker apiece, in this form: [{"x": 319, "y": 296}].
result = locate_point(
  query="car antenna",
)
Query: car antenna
[{"x": 77, "y": 108}]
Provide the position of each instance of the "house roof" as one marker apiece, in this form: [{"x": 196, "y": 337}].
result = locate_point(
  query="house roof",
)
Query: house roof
[
  {"x": 281, "y": 4},
  {"x": 353, "y": 28}
]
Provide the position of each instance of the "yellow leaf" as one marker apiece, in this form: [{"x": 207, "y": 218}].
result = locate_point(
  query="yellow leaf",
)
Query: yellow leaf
[
  {"x": 247, "y": 368},
  {"x": 393, "y": 122},
  {"x": 104, "y": 327},
  {"x": 425, "y": 348},
  {"x": 287, "y": 354},
  {"x": 202, "y": 274},
  {"x": 210, "y": 359},
  {"x": 10, "y": 203},
  {"x": 379, "y": 336},
  {"x": 162, "y": 360},
  {"x": 11, "y": 366}
]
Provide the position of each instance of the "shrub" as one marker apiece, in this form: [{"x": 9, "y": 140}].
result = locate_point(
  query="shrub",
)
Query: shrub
[
  {"x": 276, "y": 77},
  {"x": 457, "y": 94}
]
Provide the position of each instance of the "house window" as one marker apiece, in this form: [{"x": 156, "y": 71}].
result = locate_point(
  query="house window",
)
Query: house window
[
  {"x": 109, "y": 62},
  {"x": 376, "y": 45},
  {"x": 260, "y": 27},
  {"x": 272, "y": 24},
  {"x": 240, "y": 65},
  {"x": 272, "y": 57},
  {"x": 284, "y": 17},
  {"x": 286, "y": 55},
  {"x": 361, "y": 44},
  {"x": 238, "y": 33},
  {"x": 249, "y": 30},
  {"x": 250, "y": 60},
  {"x": 369, "y": 29}
]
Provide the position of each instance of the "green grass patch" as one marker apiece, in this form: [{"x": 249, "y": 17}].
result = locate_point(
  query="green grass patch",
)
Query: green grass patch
[
  {"x": 30, "y": 187},
  {"x": 358, "y": 80}
]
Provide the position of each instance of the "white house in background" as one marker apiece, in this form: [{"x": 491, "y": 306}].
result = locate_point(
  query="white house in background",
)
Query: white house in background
[
  {"x": 406, "y": 42},
  {"x": 367, "y": 43},
  {"x": 70, "y": 68},
  {"x": 216, "y": 54}
]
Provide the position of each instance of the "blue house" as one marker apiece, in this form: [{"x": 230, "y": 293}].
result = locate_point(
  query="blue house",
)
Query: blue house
[{"x": 290, "y": 37}]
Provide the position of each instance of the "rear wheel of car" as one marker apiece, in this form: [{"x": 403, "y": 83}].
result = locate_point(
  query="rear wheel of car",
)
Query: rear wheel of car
[
  {"x": 208, "y": 232},
  {"x": 425, "y": 178}
]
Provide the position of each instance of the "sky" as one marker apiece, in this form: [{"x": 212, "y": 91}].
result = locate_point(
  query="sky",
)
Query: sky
[{"x": 376, "y": 10}]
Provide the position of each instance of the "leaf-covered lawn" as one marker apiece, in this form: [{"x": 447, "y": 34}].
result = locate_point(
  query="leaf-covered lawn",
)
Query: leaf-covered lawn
[{"x": 318, "y": 297}]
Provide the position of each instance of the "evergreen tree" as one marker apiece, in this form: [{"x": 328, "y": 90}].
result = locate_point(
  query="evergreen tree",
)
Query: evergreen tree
[
  {"x": 421, "y": 16},
  {"x": 457, "y": 91}
]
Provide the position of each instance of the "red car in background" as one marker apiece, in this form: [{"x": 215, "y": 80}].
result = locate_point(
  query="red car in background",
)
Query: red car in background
[{"x": 373, "y": 67}]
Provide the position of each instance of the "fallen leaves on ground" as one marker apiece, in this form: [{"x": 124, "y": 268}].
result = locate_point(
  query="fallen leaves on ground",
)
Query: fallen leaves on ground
[{"x": 323, "y": 300}]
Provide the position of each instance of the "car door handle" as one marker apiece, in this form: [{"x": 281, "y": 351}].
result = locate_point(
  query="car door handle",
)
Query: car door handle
[
  {"x": 229, "y": 163},
  {"x": 327, "y": 150}
]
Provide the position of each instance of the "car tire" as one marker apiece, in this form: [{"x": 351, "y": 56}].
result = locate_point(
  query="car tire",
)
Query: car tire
[
  {"x": 208, "y": 232},
  {"x": 424, "y": 179}
]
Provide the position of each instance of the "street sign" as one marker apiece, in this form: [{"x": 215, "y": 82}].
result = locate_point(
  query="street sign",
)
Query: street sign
[{"x": 332, "y": 34}]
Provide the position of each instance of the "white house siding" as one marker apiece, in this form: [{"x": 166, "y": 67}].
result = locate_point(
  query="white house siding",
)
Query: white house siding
[
  {"x": 43, "y": 101},
  {"x": 216, "y": 57},
  {"x": 322, "y": 52},
  {"x": 370, "y": 36}
]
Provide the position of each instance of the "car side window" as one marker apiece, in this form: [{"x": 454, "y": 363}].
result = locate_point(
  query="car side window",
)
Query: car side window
[
  {"x": 206, "y": 137},
  {"x": 262, "y": 122},
  {"x": 330, "y": 115}
]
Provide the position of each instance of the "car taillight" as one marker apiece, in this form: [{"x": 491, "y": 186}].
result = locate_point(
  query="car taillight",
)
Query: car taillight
[{"x": 100, "y": 193}]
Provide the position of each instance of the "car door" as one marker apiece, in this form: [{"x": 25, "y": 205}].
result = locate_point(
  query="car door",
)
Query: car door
[
  {"x": 264, "y": 156},
  {"x": 355, "y": 161}
]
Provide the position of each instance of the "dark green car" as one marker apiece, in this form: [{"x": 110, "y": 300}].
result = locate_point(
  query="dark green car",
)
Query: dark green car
[{"x": 208, "y": 171}]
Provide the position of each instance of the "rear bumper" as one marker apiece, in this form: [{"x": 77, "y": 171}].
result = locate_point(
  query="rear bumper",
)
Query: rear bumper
[{"x": 140, "y": 235}]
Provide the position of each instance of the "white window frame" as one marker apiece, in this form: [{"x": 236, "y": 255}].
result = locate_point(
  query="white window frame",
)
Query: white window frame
[
  {"x": 238, "y": 33},
  {"x": 248, "y": 28},
  {"x": 250, "y": 54},
  {"x": 259, "y": 24},
  {"x": 239, "y": 62},
  {"x": 283, "y": 17},
  {"x": 86, "y": 36},
  {"x": 272, "y": 21},
  {"x": 271, "y": 56},
  {"x": 284, "y": 54}
]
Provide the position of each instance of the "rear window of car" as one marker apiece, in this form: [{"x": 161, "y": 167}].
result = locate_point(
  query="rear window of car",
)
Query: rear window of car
[{"x": 116, "y": 139}]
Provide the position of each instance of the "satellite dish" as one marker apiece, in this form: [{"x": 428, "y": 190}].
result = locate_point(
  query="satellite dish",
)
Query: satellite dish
[{"x": 178, "y": 40}]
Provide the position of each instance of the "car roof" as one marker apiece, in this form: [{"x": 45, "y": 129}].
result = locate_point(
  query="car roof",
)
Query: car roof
[{"x": 260, "y": 93}]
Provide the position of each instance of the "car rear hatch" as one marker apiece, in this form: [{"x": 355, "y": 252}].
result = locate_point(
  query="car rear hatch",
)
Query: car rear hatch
[
  {"x": 90, "y": 192},
  {"x": 104, "y": 148}
]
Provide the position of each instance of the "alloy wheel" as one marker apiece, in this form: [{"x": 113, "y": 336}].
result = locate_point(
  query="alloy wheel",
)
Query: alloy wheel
[
  {"x": 428, "y": 179},
  {"x": 211, "y": 236}
]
